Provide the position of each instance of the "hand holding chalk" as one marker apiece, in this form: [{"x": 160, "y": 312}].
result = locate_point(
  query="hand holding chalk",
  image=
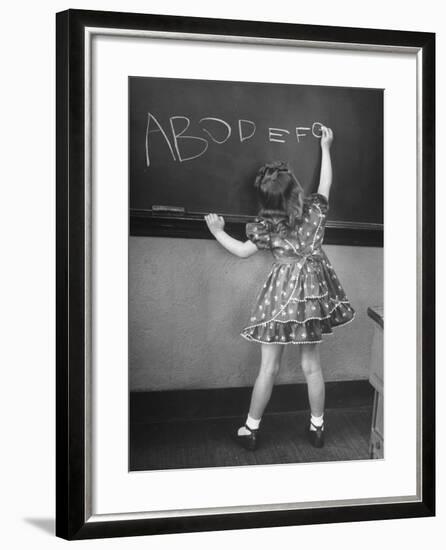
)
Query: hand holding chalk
[
  {"x": 215, "y": 223},
  {"x": 327, "y": 137}
]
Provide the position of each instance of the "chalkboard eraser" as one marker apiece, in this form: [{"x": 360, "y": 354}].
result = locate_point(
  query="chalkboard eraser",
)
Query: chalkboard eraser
[{"x": 165, "y": 209}]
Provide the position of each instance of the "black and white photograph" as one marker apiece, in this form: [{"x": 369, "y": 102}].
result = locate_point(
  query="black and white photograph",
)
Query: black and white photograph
[
  {"x": 208, "y": 210},
  {"x": 239, "y": 203},
  {"x": 255, "y": 294}
]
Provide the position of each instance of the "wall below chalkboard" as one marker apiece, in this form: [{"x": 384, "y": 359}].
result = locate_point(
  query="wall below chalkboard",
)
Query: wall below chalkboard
[{"x": 188, "y": 301}]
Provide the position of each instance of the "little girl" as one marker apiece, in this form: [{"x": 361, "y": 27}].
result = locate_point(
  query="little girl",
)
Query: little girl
[{"x": 302, "y": 297}]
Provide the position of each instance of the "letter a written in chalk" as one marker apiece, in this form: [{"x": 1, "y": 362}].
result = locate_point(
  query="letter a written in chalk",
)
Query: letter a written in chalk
[{"x": 156, "y": 128}]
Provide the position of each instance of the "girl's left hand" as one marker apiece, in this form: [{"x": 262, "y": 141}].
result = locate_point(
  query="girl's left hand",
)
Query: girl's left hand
[{"x": 215, "y": 223}]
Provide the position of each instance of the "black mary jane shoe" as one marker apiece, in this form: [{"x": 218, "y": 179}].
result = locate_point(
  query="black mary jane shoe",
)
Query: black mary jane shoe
[
  {"x": 248, "y": 441},
  {"x": 316, "y": 437}
]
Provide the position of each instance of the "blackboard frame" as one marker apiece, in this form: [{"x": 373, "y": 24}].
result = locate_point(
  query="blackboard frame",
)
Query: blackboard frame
[
  {"x": 74, "y": 518},
  {"x": 145, "y": 223}
]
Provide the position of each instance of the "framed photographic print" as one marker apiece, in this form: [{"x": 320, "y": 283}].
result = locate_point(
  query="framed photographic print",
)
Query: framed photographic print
[{"x": 197, "y": 391}]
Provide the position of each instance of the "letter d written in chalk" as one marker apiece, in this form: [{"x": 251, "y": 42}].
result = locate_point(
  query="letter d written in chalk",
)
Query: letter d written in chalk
[{"x": 246, "y": 133}]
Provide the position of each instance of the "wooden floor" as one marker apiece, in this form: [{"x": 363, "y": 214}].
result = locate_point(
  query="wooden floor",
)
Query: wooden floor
[{"x": 204, "y": 443}]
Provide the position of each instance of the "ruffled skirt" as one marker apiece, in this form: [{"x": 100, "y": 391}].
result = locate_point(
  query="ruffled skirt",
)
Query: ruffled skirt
[{"x": 299, "y": 302}]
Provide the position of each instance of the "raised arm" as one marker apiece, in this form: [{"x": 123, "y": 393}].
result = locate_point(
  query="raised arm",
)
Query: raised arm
[
  {"x": 241, "y": 249},
  {"x": 326, "y": 176}
]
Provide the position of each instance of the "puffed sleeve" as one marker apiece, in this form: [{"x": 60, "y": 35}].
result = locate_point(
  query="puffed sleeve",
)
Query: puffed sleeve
[
  {"x": 318, "y": 201},
  {"x": 258, "y": 233}
]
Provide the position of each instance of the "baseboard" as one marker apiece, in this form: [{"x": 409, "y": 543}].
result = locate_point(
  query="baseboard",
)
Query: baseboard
[{"x": 160, "y": 406}]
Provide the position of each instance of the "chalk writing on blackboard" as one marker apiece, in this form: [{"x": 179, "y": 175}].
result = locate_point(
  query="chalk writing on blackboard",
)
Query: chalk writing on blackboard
[{"x": 179, "y": 126}]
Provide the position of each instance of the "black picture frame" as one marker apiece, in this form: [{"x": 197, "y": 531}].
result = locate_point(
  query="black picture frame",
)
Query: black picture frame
[{"x": 72, "y": 511}]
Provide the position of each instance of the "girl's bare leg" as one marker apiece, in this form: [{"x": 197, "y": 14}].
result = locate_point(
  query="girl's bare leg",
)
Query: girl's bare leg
[
  {"x": 263, "y": 387},
  {"x": 311, "y": 366}
]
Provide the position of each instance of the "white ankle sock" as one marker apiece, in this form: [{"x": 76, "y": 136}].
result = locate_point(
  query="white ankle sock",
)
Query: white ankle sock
[
  {"x": 252, "y": 423},
  {"x": 317, "y": 421}
]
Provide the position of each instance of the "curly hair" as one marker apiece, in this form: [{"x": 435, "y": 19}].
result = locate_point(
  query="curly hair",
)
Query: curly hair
[{"x": 279, "y": 192}]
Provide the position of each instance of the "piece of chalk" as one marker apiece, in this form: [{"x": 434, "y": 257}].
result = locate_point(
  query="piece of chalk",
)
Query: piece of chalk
[{"x": 166, "y": 208}]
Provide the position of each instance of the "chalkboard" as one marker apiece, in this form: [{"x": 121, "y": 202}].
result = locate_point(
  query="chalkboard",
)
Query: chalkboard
[{"x": 197, "y": 144}]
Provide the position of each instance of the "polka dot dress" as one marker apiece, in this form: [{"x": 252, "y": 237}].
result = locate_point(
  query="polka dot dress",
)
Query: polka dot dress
[{"x": 302, "y": 298}]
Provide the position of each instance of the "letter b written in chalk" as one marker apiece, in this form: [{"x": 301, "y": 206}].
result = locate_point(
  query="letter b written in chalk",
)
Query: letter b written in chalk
[{"x": 179, "y": 135}]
